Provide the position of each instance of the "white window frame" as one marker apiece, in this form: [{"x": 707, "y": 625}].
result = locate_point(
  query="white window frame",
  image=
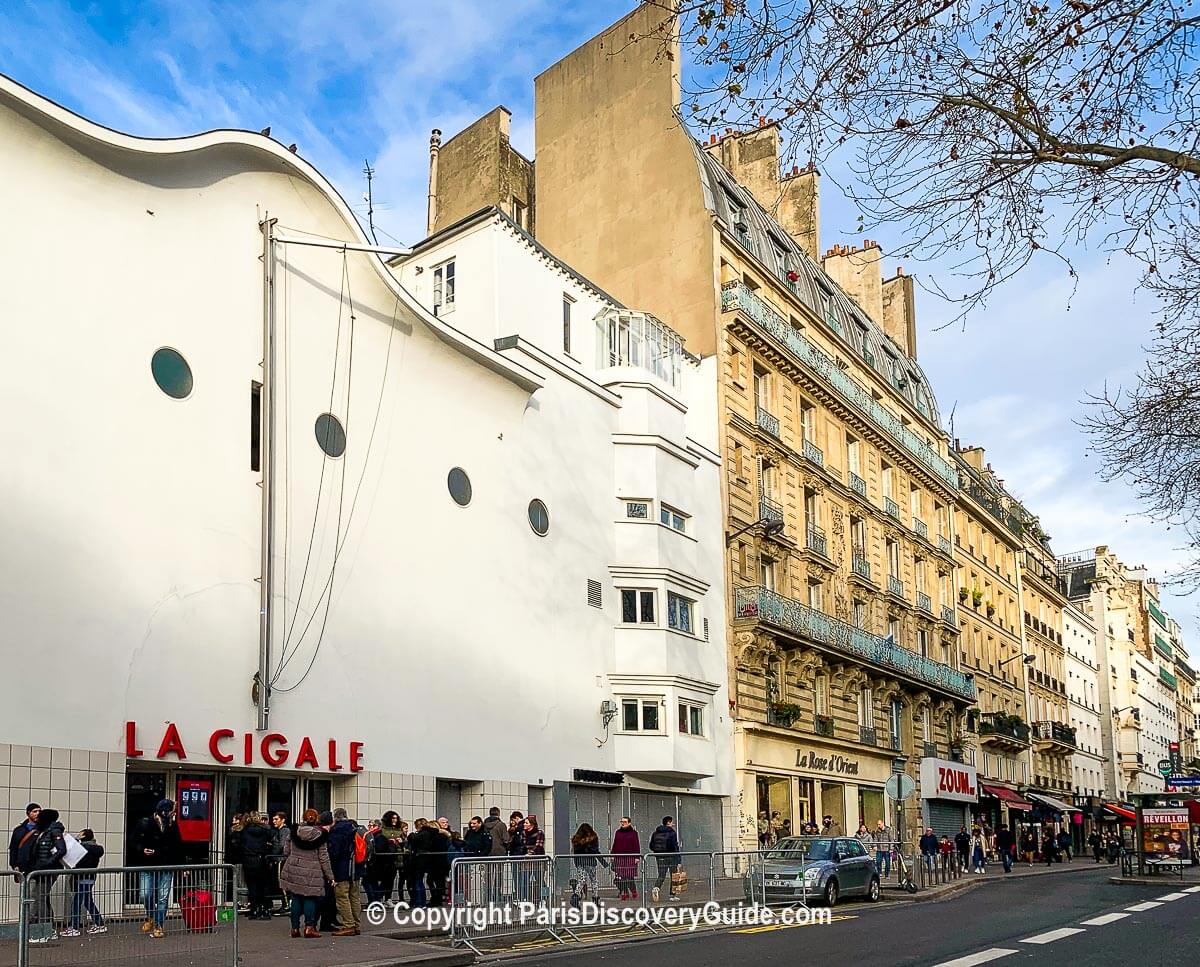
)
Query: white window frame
[
  {"x": 816, "y": 595},
  {"x": 567, "y": 303},
  {"x": 639, "y": 606},
  {"x": 642, "y": 702},
  {"x": 866, "y": 708},
  {"x": 677, "y": 617},
  {"x": 668, "y": 516},
  {"x": 695, "y": 717},
  {"x": 445, "y": 280}
]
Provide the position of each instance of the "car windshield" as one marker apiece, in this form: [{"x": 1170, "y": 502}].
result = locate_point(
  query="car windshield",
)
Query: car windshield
[{"x": 805, "y": 848}]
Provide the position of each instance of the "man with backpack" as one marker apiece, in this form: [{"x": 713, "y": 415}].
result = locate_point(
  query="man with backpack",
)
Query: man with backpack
[
  {"x": 664, "y": 843},
  {"x": 42, "y": 848},
  {"x": 347, "y": 850},
  {"x": 495, "y": 828}
]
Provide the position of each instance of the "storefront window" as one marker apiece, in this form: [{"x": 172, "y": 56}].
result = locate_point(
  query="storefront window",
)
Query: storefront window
[
  {"x": 833, "y": 803},
  {"x": 870, "y": 807},
  {"x": 281, "y": 794},
  {"x": 805, "y": 809},
  {"x": 775, "y": 796}
]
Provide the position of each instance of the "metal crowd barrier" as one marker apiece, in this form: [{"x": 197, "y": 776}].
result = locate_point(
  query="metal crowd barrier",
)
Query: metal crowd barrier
[
  {"x": 495, "y": 896},
  {"x": 108, "y": 915}
]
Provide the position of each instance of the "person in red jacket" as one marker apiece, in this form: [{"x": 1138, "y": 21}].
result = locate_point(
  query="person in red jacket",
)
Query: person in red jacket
[{"x": 628, "y": 849}]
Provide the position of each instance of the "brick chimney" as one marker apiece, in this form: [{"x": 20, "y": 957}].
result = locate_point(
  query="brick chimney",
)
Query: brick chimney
[
  {"x": 793, "y": 199},
  {"x": 857, "y": 271},
  {"x": 899, "y": 312}
]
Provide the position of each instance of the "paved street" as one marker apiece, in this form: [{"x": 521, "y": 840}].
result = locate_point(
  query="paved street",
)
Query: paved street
[{"x": 998, "y": 917}]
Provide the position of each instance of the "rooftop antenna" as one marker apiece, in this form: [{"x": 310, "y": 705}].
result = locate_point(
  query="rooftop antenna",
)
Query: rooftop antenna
[
  {"x": 952, "y": 409},
  {"x": 370, "y": 173}
]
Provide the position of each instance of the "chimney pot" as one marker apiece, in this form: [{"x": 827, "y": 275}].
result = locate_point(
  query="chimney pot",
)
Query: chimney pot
[
  {"x": 795, "y": 170},
  {"x": 899, "y": 270},
  {"x": 762, "y": 122}
]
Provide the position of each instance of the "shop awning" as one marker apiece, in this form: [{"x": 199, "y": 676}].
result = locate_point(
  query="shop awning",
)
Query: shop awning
[
  {"x": 1056, "y": 804},
  {"x": 1194, "y": 811},
  {"x": 1122, "y": 811},
  {"x": 1005, "y": 795}
]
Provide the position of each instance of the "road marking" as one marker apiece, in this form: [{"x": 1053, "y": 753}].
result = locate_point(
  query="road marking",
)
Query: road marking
[
  {"x": 993, "y": 953},
  {"x": 1140, "y": 907},
  {"x": 1101, "y": 921},
  {"x": 1053, "y": 935},
  {"x": 1192, "y": 889},
  {"x": 766, "y": 928},
  {"x": 1172, "y": 896}
]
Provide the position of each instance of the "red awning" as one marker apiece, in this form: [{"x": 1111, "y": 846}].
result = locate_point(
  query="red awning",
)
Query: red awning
[
  {"x": 1194, "y": 810},
  {"x": 1121, "y": 811},
  {"x": 1006, "y": 795}
]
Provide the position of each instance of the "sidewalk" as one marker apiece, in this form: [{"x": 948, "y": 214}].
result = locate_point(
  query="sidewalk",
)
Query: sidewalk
[
  {"x": 268, "y": 944},
  {"x": 995, "y": 873}
]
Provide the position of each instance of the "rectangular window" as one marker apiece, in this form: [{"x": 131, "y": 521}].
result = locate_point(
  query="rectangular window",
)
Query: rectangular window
[
  {"x": 672, "y": 518},
  {"x": 567, "y": 303},
  {"x": 637, "y": 606},
  {"x": 860, "y": 614},
  {"x": 894, "y": 630},
  {"x": 256, "y": 426},
  {"x": 766, "y": 567},
  {"x": 639, "y": 715},
  {"x": 885, "y": 478},
  {"x": 816, "y": 595},
  {"x": 821, "y": 695},
  {"x": 637, "y": 509},
  {"x": 893, "y": 558},
  {"x": 914, "y": 503},
  {"x": 926, "y": 725},
  {"x": 443, "y": 287},
  {"x": 679, "y": 612},
  {"x": 762, "y": 388},
  {"x": 739, "y": 460},
  {"x": 520, "y": 212},
  {"x": 923, "y": 642},
  {"x": 808, "y": 422},
  {"x": 866, "y": 708},
  {"x": 691, "y": 719},
  {"x": 854, "y": 455},
  {"x": 895, "y": 723}
]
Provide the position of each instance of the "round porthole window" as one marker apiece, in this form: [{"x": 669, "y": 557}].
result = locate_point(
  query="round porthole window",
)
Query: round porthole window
[
  {"x": 172, "y": 373},
  {"x": 459, "y": 485},
  {"x": 330, "y": 436},
  {"x": 539, "y": 517}
]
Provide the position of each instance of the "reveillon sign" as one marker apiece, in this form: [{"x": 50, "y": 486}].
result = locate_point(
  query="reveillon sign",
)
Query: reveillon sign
[
  {"x": 833, "y": 764},
  {"x": 271, "y": 749}
]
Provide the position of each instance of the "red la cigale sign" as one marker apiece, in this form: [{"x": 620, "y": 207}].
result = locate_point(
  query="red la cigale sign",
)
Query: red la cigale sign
[{"x": 271, "y": 749}]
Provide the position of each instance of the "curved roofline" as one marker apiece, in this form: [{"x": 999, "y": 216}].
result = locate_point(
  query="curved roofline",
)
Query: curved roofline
[{"x": 220, "y": 137}]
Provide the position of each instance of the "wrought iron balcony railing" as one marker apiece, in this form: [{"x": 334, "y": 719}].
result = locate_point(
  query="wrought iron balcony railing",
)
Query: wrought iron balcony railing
[
  {"x": 1054, "y": 732},
  {"x": 867, "y": 736},
  {"x": 991, "y": 725},
  {"x": 924, "y": 602},
  {"x": 892, "y": 508},
  {"x": 949, "y": 616},
  {"x": 862, "y": 566},
  {"x": 815, "y": 540},
  {"x": 767, "y": 421},
  {"x": 735, "y": 295},
  {"x": 770, "y": 607},
  {"x": 930, "y": 750},
  {"x": 814, "y": 453},
  {"x": 769, "y": 510},
  {"x": 895, "y": 586},
  {"x": 943, "y": 543},
  {"x": 823, "y": 725},
  {"x": 857, "y": 484},
  {"x": 1168, "y": 679},
  {"x": 921, "y": 528}
]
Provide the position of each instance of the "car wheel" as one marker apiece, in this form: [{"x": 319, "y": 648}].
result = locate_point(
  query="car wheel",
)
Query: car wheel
[
  {"x": 873, "y": 890},
  {"x": 830, "y": 897}
]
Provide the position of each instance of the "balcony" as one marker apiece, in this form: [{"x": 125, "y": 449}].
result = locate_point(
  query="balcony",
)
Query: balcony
[
  {"x": 1004, "y": 732},
  {"x": 991, "y": 502},
  {"x": 867, "y": 736},
  {"x": 949, "y": 616},
  {"x": 1156, "y": 614},
  {"x": 813, "y": 453},
  {"x": 767, "y": 421},
  {"x": 1168, "y": 679},
  {"x": 891, "y": 507},
  {"x": 857, "y": 484},
  {"x": 1049, "y": 734},
  {"x": 943, "y": 544},
  {"x": 1162, "y": 647},
  {"x": 860, "y": 565},
  {"x": 929, "y": 750},
  {"x": 783, "y": 714},
  {"x": 896, "y": 586},
  {"x": 924, "y": 602},
  {"x": 814, "y": 540},
  {"x": 776, "y": 611},
  {"x": 735, "y": 295},
  {"x": 823, "y": 725},
  {"x": 769, "y": 510},
  {"x": 921, "y": 528}
]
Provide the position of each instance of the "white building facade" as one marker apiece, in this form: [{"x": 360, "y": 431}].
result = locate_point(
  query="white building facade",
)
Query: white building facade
[
  {"x": 1083, "y": 698},
  {"x": 454, "y": 513}
]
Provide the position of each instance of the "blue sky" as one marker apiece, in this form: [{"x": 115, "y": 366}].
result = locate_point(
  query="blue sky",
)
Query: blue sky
[{"x": 369, "y": 79}]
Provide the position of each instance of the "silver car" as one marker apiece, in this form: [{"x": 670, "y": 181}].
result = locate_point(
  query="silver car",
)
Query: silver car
[{"x": 813, "y": 869}]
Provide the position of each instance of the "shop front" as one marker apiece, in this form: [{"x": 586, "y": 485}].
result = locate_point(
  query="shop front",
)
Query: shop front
[
  {"x": 1001, "y": 805},
  {"x": 805, "y": 780},
  {"x": 949, "y": 790}
]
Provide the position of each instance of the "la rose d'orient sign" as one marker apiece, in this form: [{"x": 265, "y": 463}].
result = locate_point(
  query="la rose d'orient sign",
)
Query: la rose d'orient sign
[{"x": 248, "y": 749}]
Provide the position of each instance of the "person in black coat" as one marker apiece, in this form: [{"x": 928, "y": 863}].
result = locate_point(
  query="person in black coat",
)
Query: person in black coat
[
  {"x": 664, "y": 843},
  {"x": 83, "y": 904},
  {"x": 478, "y": 841},
  {"x": 157, "y": 842},
  {"x": 21, "y": 831},
  {"x": 430, "y": 846},
  {"x": 257, "y": 843}
]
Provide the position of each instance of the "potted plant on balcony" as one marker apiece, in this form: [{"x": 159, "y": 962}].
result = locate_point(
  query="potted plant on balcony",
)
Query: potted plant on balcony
[
  {"x": 963, "y": 594},
  {"x": 785, "y": 713},
  {"x": 977, "y": 596},
  {"x": 991, "y": 610}
]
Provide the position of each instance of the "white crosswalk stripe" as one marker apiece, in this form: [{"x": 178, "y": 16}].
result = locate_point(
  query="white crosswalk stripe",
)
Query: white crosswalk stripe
[
  {"x": 1192, "y": 889},
  {"x": 1141, "y": 907},
  {"x": 1105, "y": 919},
  {"x": 983, "y": 957},
  {"x": 1053, "y": 935},
  {"x": 1172, "y": 896}
]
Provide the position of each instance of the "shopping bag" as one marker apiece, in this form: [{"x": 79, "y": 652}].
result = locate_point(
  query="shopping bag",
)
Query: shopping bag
[
  {"x": 75, "y": 851},
  {"x": 679, "y": 882}
]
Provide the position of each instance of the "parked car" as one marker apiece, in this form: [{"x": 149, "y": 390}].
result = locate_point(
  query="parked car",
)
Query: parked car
[{"x": 813, "y": 869}]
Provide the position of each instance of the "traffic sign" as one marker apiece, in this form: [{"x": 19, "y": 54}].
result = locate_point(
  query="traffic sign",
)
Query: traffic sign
[
  {"x": 1164, "y": 766},
  {"x": 1190, "y": 781},
  {"x": 900, "y": 786}
]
